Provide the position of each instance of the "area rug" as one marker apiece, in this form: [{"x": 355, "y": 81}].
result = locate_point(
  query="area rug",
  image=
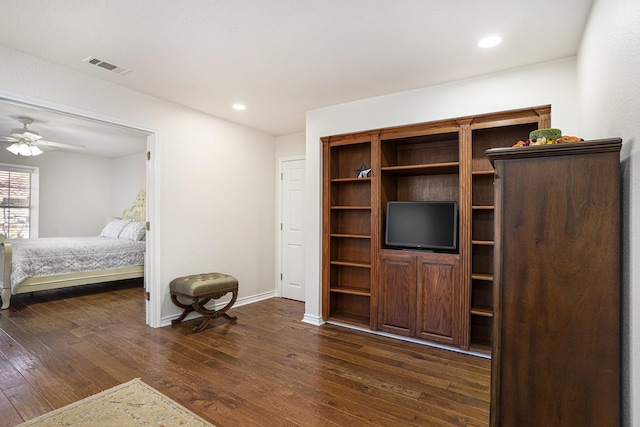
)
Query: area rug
[{"x": 130, "y": 404}]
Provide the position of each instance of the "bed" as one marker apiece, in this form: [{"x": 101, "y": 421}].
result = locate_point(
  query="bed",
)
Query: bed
[{"x": 30, "y": 265}]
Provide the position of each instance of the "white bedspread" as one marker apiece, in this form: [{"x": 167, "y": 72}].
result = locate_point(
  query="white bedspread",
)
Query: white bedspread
[{"x": 61, "y": 255}]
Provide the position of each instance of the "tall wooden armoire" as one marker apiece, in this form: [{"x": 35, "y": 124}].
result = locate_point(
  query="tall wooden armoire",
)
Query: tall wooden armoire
[{"x": 556, "y": 330}]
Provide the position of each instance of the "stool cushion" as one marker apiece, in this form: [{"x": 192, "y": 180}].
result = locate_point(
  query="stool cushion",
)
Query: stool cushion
[{"x": 203, "y": 284}]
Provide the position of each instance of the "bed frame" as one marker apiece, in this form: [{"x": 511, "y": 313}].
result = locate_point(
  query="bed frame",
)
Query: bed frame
[{"x": 137, "y": 212}]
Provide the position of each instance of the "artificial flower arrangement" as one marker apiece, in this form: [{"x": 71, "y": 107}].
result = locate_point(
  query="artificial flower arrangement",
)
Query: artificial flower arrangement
[{"x": 545, "y": 137}]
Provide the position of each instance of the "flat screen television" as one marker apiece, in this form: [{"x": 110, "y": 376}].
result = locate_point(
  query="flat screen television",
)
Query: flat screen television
[{"x": 422, "y": 225}]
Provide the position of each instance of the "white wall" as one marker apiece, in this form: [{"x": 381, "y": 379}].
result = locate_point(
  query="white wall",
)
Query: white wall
[
  {"x": 290, "y": 145},
  {"x": 216, "y": 207},
  {"x": 75, "y": 193},
  {"x": 548, "y": 83},
  {"x": 128, "y": 176},
  {"x": 609, "y": 100}
]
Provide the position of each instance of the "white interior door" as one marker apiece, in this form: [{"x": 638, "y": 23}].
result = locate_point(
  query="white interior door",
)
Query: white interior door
[{"x": 292, "y": 173}]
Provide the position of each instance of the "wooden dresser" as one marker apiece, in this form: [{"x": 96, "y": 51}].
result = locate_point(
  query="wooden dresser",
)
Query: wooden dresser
[{"x": 556, "y": 330}]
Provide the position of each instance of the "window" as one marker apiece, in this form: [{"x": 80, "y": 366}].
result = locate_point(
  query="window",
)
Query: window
[{"x": 18, "y": 201}]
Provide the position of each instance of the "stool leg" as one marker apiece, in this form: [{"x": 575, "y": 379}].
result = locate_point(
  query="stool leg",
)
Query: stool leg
[
  {"x": 224, "y": 310},
  {"x": 202, "y": 325},
  {"x": 187, "y": 309},
  {"x": 211, "y": 314}
]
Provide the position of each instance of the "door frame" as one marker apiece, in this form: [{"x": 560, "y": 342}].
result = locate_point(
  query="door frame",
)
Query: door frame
[
  {"x": 279, "y": 240},
  {"x": 152, "y": 257}
]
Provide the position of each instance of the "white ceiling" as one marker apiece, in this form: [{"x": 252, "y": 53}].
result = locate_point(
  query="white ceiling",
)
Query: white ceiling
[
  {"x": 97, "y": 138},
  {"x": 284, "y": 57}
]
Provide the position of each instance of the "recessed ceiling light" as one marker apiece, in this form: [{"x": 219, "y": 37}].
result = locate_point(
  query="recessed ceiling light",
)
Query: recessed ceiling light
[
  {"x": 239, "y": 107},
  {"x": 489, "y": 41}
]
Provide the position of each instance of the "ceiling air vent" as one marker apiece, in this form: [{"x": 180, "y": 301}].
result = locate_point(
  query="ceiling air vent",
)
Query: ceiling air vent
[{"x": 107, "y": 66}]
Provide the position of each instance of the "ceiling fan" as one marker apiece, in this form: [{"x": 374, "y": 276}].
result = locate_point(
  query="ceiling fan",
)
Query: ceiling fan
[{"x": 27, "y": 142}]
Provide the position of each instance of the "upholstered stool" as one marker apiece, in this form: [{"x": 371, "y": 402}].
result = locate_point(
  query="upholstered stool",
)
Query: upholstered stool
[{"x": 202, "y": 288}]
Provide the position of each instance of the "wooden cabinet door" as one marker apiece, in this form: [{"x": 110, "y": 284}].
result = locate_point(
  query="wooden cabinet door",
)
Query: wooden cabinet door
[
  {"x": 397, "y": 294},
  {"x": 437, "y": 275}
]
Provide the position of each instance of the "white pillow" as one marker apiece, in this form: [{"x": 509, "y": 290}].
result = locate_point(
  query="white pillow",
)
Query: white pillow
[
  {"x": 114, "y": 228},
  {"x": 135, "y": 231}
]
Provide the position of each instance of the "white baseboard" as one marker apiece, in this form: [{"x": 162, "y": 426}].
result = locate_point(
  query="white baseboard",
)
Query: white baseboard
[
  {"x": 166, "y": 321},
  {"x": 313, "y": 320}
]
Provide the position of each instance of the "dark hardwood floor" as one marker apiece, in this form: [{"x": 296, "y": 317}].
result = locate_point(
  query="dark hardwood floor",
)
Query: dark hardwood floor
[{"x": 266, "y": 369}]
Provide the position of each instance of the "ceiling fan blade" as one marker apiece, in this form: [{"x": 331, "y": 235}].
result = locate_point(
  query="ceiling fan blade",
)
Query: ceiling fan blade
[
  {"x": 8, "y": 139},
  {"x": 60, "y": 145},
  {"x": 31, "y": 136}
]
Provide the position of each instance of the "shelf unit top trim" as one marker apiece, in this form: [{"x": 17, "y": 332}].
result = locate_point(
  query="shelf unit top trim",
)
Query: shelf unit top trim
[
  {"x": 500, "y": 118},
  {"x": 350, "y": 138},
  {"x": 511, "y": 121},
  {"x": 420, "y": 129}
]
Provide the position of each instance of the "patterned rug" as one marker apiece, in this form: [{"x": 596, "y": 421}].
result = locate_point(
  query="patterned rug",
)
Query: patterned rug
[{"x": 130, "y": 404}]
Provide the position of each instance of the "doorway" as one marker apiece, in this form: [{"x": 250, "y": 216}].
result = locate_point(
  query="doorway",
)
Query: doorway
[
  {"x": 291, "y": 240},
  {"x": 15, "y": 105}
]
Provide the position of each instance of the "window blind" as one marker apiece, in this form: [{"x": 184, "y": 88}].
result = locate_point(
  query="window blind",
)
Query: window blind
[{"x": 15, "y": 203}]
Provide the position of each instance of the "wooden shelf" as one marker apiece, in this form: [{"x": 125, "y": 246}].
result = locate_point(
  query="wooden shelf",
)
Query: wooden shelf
[
  {"x": 350, "y": 236},
  {"x": 345, "y": 180},
  {"x": 483, "y": 173},
  {"x": 483, "y": 208},
  {"x": 485, "y": 277},
  {"x": 425, "y": 169},
  {"x": 350, "y": 318},
  {"x": 482, "y": 311},
  {"x": 350, "y": 290},
  {"x": 482, "y": 242},
  {"x": 351, "y": 207},
  {"x": 351, "y": 264},
  {"x": 481, "y": 348}
]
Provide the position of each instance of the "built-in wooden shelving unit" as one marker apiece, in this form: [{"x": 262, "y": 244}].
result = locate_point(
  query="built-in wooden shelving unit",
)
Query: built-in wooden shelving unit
[{"x": 441, "y": 297}]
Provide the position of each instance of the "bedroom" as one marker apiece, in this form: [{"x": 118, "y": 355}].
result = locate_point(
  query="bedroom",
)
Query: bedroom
[
  {"x": 76, "y": 185},
  {"x": 602, "y": 102}
]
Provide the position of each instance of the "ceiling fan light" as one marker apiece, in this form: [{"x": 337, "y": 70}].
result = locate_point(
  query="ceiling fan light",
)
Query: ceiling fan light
[
  {"x": 24, "y": 149},
  {"x": 14, "y": 148}
]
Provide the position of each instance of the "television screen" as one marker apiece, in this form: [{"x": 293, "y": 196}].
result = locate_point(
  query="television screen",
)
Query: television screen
[{"x": 422, "y": 225}]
